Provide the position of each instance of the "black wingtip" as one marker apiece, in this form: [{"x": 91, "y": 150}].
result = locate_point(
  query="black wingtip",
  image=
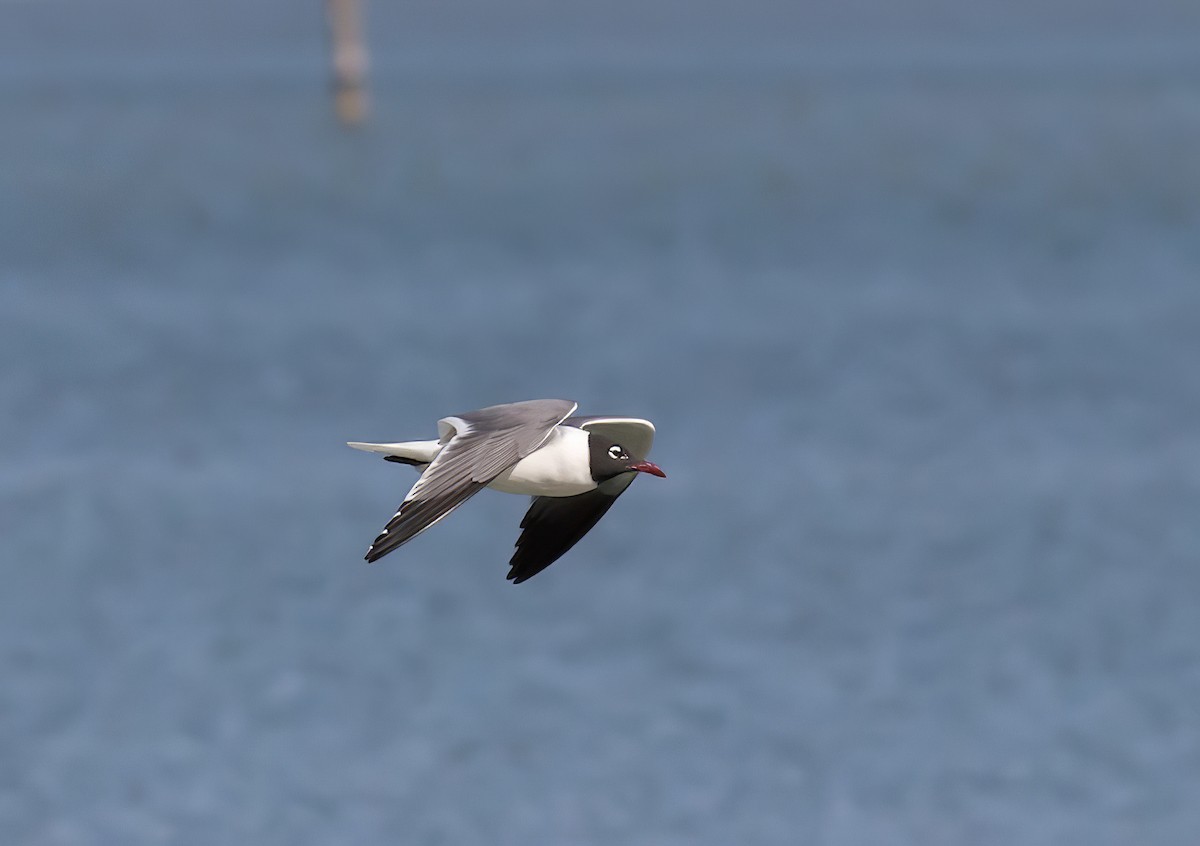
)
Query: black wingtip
[
  {"x": 400, "y": 459},
  {"x": 374, "y": 552}
]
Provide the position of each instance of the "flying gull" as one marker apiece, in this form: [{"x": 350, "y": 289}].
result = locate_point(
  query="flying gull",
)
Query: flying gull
[{"x": 573, "y": 467}]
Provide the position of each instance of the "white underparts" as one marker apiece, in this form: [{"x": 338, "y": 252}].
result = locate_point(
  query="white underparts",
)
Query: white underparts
[{"x": 560, "y": 467}]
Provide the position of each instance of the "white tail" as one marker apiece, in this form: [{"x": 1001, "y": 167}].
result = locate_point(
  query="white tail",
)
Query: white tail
[{"x": 422, "y": 451}]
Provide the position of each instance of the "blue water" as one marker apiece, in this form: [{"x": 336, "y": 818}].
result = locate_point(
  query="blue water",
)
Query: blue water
[{"x": 914, "y": 303}]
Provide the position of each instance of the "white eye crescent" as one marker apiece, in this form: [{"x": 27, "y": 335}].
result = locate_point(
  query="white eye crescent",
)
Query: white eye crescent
[{"x": 616, "y": 452}]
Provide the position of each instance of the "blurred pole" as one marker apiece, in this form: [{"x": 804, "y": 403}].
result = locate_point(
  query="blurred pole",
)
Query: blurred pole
[{"x": 349, "y": 60}]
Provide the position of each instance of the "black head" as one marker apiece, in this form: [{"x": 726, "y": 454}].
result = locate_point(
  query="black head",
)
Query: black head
[{"x": 609, "y": 459}]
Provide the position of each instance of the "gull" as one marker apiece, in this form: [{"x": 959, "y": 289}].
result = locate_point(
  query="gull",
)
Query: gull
[{"x": 573, "y": 467}]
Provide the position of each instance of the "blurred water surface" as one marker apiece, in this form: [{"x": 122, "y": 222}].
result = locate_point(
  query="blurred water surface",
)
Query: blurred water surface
[{"x": 912, "y": 297}]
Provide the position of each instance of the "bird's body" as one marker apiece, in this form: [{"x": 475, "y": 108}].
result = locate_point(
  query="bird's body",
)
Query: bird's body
[
  {"x": 550, "y": 470},
  {"x": 574, "y": 467}
]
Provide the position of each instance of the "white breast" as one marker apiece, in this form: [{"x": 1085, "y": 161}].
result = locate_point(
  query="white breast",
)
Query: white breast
[{"x": 561, "y": 467}]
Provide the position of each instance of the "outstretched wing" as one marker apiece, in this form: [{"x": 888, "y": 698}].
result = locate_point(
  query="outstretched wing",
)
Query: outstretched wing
[
  {"x": 555, "y": 524},
  {"x": 479, "y": 446}
]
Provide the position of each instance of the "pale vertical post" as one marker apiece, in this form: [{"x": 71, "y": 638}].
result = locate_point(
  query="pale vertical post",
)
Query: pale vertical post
[{"x": 349, "y": 60}]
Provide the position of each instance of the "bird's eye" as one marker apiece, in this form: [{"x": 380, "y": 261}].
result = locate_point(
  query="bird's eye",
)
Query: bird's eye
[{"x": 616, "y": 452}]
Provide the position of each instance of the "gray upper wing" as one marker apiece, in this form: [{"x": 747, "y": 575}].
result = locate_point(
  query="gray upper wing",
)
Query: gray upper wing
[{"x": 480, "y": 445}]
